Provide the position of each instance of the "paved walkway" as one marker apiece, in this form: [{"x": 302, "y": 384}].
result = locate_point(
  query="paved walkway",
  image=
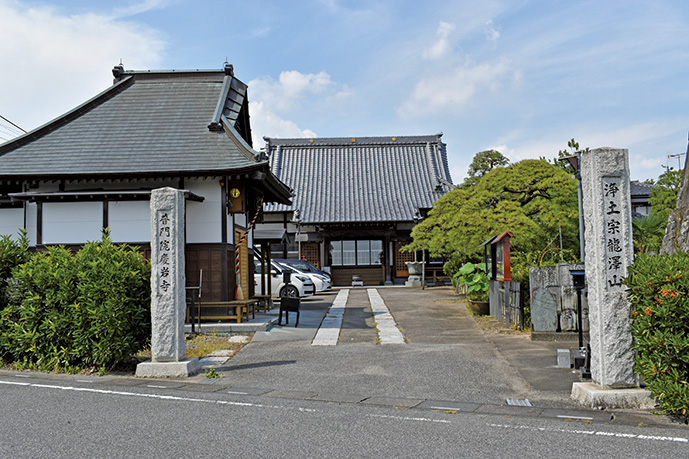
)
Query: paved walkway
[{"x": 401, "y": 342}]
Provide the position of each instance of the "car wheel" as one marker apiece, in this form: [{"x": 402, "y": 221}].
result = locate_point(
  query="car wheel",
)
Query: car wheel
[{"x": 289, "y": 291}]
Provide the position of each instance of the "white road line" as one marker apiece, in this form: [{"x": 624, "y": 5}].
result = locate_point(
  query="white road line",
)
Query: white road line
[
  {"x": 409, "y": 418},
  {"x": 134, "y": 394},
  {"x": 329, "y": 331},
  {"x": 388, "y": 332},
  {"x": 583, "y": 418},
  {"x": 593, "y": 432}
]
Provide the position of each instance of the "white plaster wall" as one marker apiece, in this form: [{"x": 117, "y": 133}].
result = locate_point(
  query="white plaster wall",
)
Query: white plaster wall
[
  {"x": 72, "y": 222},
  {"x": 31, "y": 219},
  {"x": 203, "y": 218},
  {"x": 130, "y": 221},
  {"x": 11, "y": 221}
]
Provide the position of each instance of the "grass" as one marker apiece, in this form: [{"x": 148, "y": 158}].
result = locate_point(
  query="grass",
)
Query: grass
[{"x": 201, "y": 345}]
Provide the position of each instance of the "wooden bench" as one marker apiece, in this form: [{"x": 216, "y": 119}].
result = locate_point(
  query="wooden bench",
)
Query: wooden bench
[
  {"x": 227, "y": 310},
  {"x": 265, "y": 303}
]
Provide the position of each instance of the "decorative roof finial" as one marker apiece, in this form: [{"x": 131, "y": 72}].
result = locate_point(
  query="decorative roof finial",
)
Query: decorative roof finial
[{"x": 229, "y": 69}]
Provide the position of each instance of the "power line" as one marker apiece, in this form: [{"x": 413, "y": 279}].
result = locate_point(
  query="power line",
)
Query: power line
[{"x": 13, "y": 124}]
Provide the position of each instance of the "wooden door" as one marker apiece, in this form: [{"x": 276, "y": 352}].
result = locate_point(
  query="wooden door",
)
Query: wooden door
[{"x": 401, "y": 258}]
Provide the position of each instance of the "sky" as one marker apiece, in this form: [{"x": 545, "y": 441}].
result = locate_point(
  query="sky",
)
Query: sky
[{"x": 521, "y": 77}]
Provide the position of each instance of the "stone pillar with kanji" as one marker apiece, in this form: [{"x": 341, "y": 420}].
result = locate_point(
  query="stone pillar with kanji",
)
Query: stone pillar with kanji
[
  {"x": 168, "y": 283},
  {"x": 609, "y": 251}
]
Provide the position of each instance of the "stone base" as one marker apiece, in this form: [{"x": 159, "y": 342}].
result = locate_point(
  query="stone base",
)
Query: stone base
[
  {"x": 557, "y": 336},
  {"x": 413, "y": 281},
  {"x": 563, "y": 358},
  {"x": 592, "y": 395},
  {"x": 181, "y": 369}
]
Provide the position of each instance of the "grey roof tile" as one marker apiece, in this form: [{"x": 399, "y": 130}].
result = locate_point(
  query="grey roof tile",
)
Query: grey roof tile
[
  {"x": 370, "y": 179},
  {"x": 139, "y": 125}
]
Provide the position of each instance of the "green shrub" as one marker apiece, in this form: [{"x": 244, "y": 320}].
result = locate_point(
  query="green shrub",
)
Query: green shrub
[
  {"x": 66, "y": 310},
  {"x": 114, "y": 298},
  {"x": 12, "y": 253},
  {"x": 474, "y": 277},
  {"x": 658, "y": 287}
]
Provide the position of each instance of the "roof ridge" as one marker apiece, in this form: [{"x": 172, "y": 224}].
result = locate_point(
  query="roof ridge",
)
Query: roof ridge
[{"x": 305, "y": 141}]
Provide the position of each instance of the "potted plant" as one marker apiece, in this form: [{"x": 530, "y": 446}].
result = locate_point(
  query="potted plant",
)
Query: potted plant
[{"x": 474, "y": 277}]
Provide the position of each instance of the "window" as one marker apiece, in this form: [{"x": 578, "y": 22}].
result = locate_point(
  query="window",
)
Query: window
[{"x": 356, "y": 252}]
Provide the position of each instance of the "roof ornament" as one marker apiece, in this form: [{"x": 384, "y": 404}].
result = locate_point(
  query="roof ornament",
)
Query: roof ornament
[
  {"x": 118, "y": 71},
  {"x": 229, "y": 69}
]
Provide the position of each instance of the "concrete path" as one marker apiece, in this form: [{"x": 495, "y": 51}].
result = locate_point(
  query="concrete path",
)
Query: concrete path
[{"x": 446, "y": 356}]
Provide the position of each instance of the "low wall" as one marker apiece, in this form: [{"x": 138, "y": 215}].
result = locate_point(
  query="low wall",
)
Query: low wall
[{"x": 554, "y": 300}]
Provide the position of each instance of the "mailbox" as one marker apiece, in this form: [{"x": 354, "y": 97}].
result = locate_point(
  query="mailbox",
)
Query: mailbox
[{"x": 579, "y": 278}]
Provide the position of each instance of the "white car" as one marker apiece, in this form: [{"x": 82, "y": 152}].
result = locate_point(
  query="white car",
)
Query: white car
[
  {"x": 322, "y": 282},
  {"x": 298, "y": 286}
]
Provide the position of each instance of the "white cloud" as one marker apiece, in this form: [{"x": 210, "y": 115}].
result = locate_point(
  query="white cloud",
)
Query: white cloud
[
  {"x": 292, "y": 89},
  {"x": 265, "y": 123},
  {"x": 139, "y": 7},
  {"x": 492, "y": 34},
  {"x": 442, "y": 46},
  {"x": 453, "y": 91},
  {"x": 275, "y": 103},
  {"x": 54, "y": 62}
]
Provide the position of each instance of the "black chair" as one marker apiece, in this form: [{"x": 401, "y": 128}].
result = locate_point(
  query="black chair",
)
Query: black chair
[{"x": 288, "y": 305}]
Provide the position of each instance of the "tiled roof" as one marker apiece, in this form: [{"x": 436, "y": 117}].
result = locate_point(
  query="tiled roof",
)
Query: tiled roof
[
  {"x": 370, "y": 179},
  {"x": 167, "y": 122},
  {"x": 637, "y": 188}
]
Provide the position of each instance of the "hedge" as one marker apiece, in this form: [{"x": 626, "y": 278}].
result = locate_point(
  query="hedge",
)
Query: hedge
[
  {"x": 658, "y": 287},
  {"x": 83, "y": 310},
  {"x": 12, "y": 254}
]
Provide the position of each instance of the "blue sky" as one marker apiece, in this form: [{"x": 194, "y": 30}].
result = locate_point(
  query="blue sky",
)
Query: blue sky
[{"x": 522, "y": 77}]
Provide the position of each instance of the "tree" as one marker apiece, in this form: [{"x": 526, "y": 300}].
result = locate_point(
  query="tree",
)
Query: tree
[
  {"x": 573, "y": 146},
  {"x": 483, "y": 163},
  {"x": 664, "y": 195},
  {"x": 532, "y": 199}
]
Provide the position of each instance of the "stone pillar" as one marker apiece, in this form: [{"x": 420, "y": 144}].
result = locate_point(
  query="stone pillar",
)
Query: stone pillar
[
  {"x": 168, "y": 282},
  {"x": 609, "y": 250}
]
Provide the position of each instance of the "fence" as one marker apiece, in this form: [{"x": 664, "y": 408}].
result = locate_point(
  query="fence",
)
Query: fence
[{"x": 506, "y": 303}]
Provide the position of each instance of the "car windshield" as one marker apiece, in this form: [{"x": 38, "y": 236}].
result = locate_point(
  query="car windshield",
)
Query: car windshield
[{"x": 301, "y": 267}]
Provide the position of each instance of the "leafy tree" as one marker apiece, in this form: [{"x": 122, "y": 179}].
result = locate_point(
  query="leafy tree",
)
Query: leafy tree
[
  {"x": 664, "y": 195},
  {"x": 483, "y": 163},
  {"x": 532, "y": 199}
]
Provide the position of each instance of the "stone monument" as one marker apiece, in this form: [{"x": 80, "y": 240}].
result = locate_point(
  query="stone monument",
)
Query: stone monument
[
  {"x": 609, "y": 251},
  {"x": 168, "y": 282}
]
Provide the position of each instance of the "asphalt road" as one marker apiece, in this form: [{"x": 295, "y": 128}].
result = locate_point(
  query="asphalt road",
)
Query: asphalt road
[
  {"x": 73, "y": 419},
  {"x": 441, "y": 393}
]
